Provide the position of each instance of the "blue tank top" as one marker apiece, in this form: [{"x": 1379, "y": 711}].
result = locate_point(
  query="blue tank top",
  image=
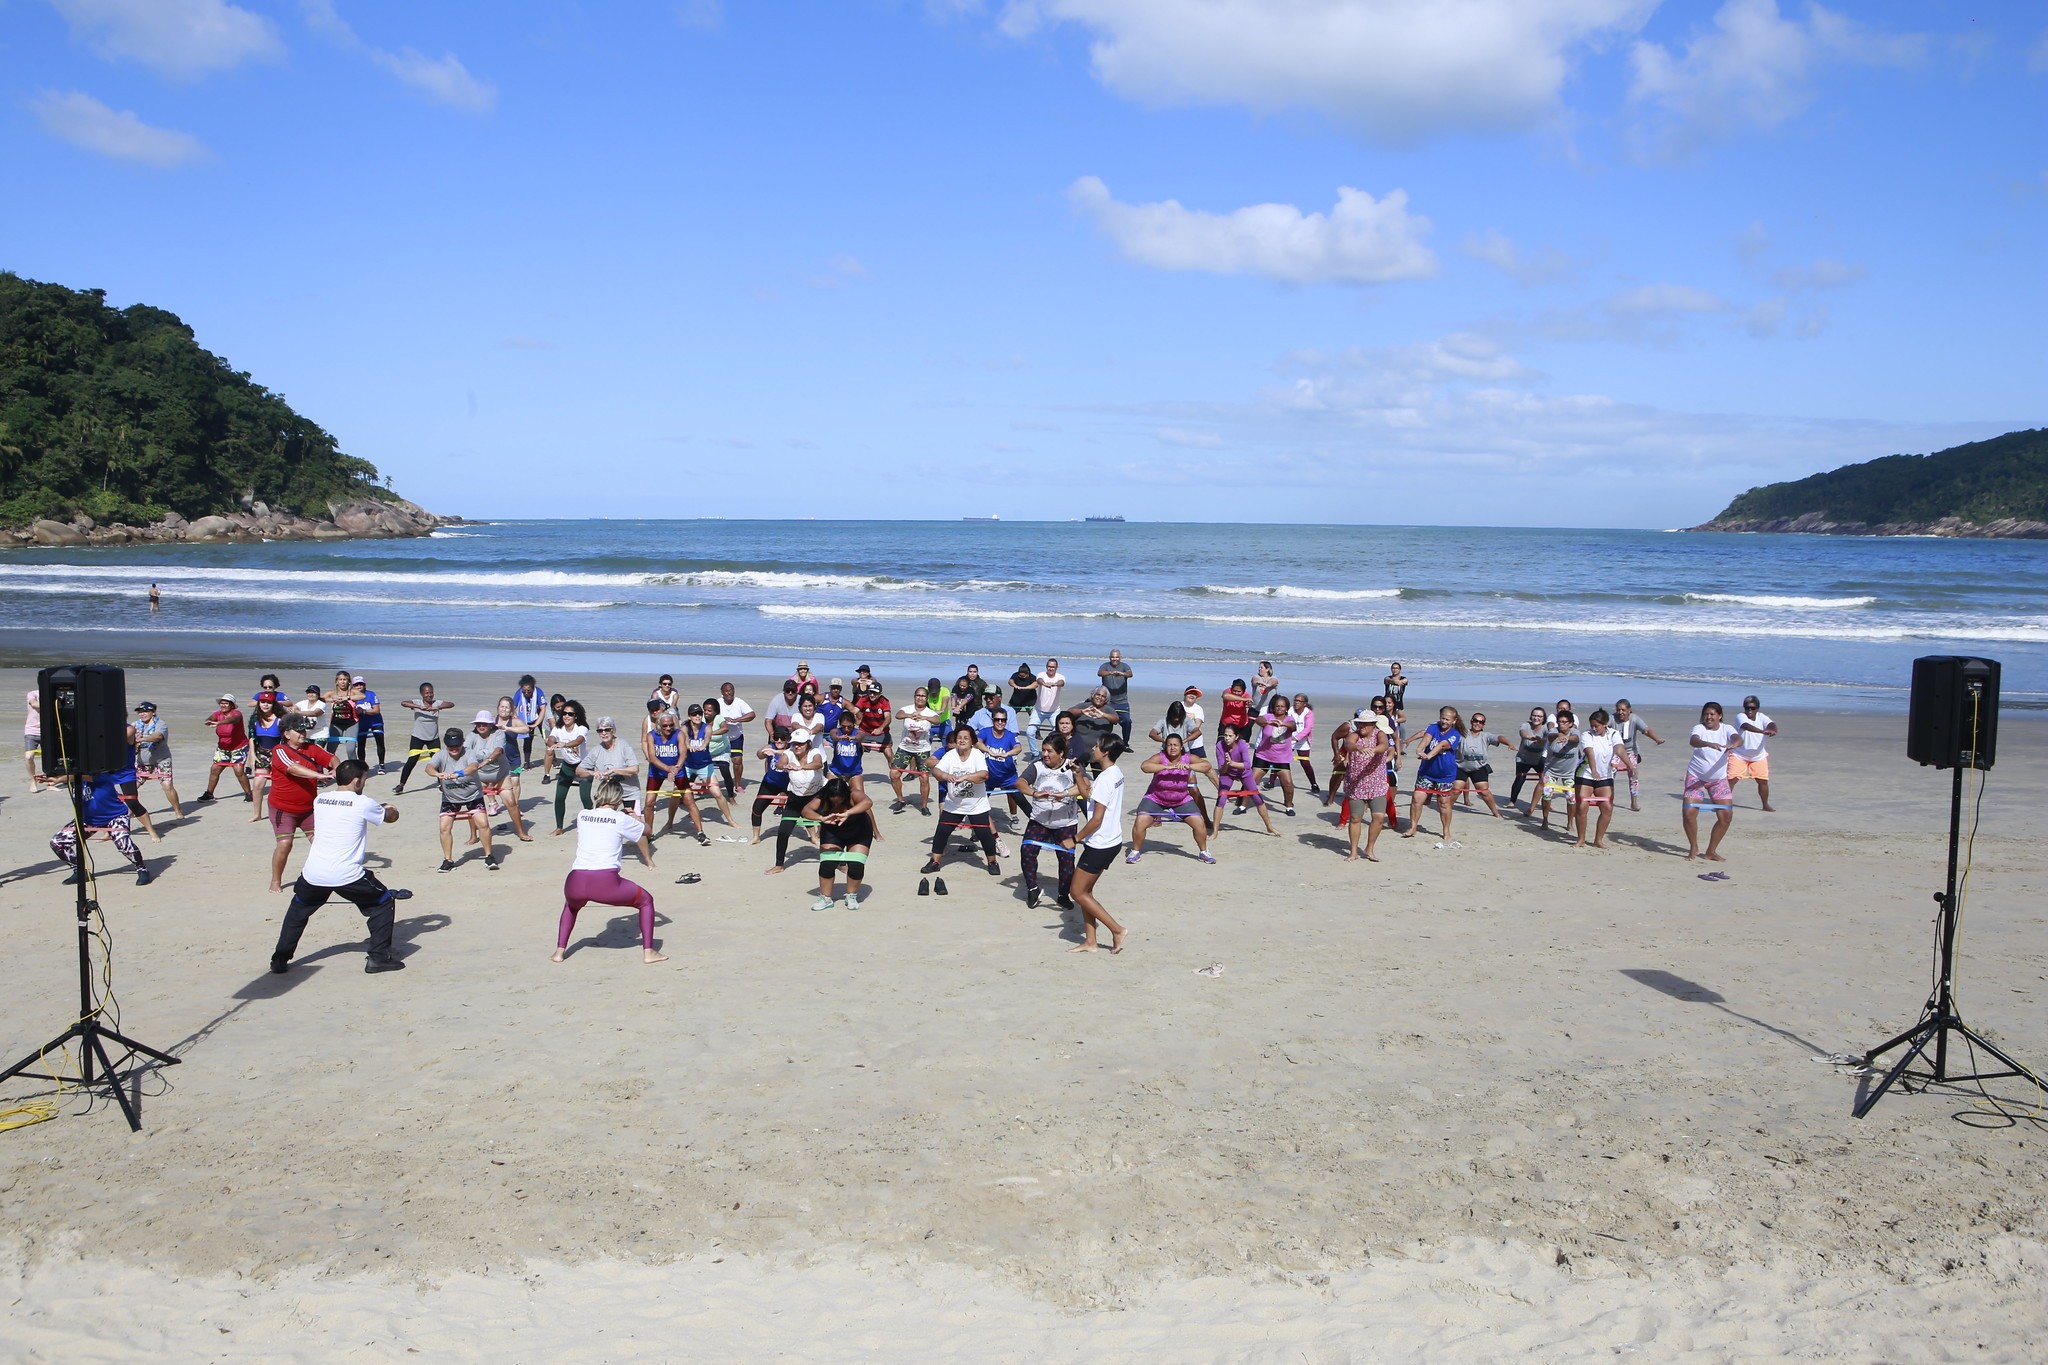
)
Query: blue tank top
[
  {"x": 668, "y": 748},
  {"x": 846, "y": 757}
]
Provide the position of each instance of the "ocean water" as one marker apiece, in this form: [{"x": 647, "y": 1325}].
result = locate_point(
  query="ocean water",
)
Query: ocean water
[{"x": 1472, "y": 611}]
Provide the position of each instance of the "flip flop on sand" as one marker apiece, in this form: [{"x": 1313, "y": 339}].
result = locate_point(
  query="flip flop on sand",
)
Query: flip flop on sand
[{"x": 1713, "y": 876}]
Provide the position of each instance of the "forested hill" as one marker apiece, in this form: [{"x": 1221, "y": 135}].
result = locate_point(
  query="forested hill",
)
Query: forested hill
[
  {"x": 120, "y": 415},
  {"x": 1997, "y": 487}
]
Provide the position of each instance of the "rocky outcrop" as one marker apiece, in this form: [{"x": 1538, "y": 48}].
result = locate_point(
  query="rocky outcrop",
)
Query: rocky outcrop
[
  {"x": 1817, "y": 524},
  {"x": 361, "y": 519}
]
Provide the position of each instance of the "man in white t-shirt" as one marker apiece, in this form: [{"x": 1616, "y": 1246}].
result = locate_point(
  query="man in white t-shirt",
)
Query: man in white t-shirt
[
  {"x": 1706, "y": 782},
  {"x": 1048, "y": 706},
  {"x": 334, "y": 867},
  {"x": 736, "y": 713},
  {"x": 1748, "y": 758}
]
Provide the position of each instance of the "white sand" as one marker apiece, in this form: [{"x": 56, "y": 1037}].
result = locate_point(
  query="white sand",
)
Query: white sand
[{"x": 1424, "y": 1113}]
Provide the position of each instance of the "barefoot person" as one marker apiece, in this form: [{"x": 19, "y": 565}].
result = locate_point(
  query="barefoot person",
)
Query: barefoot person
[
  {"x": 1601, "y": 756},
  {"x": 1436, "y": 770},
  {"x": 602, "y": 834},
  {"x": 914, "y": 751},
  {"x": 153, "y": 753},
  {"x": 1706, "y": 783},
  {"x": 1748, "y": 758},
  {"x": 1529, "y": 756},
  {"x": 1475, "y": 769},
  {"x": 297, "y": 769},
  {"x": 230, "y": 748},
  {"x": 1232, "y": 774},
  {"x": 567, "y": 740},
  {"x": 1362, "y": 780},
  {"x": 803, "y": 767},
  {"x": 1633, "y": 731},
  {"x": 518, "y": 740},
  {"x": 846, "y": 831},
  {"x": 32, "y": 738},
  {"x": 1560, "y": 765},
  {"x": 266, "y": 732},
  {"x": 334, "y": 867},
  {"x": 964, "y": 773},
  {"x": 1171, "y": 796},
  {"x": 611, "y": 756},
  {"x": 737, "y": 715},
  {"x": 1100, "y": 837}
]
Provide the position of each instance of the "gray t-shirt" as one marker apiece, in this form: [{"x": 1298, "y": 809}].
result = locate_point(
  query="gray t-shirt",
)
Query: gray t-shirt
[
  {"x": 1472, "y": 752},
  {"x": 601, "y": 761},
  {"x": 1529, "y": 752},
  {"x": 461, "y": 785},
  {"x": 1560, "y": 753},
  {"x": 426, "y": 725},
  {"x": 488, "y": 753},
  {"x": 1116, "y": 678}
]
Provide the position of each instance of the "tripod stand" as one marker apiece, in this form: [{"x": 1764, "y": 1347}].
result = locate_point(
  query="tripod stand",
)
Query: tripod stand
[
  {"x": 91, "y": 1034},
  {"x": 1938, "y": 1017}
]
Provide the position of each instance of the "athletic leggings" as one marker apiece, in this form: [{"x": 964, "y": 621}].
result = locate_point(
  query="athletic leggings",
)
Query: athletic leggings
[
  {"x": 792, "y": 818},
  {"x": 1523, "y": 772},
  {"x": 562, "y": 785},
  {"x": 981, "y": 827},
  {"x": 1027, "y": 857},
  {"x": 64, "y": 843},
  {"x": 405, "y": 774},
  {"x": 605, "y": 887},
  {"x": 764, "y": 797}
]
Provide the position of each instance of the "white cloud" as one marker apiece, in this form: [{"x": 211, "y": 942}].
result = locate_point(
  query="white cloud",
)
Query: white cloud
[
  {"x": 1752, "y": 70},
  {"x": 182, "y": 39},
  {"x": 443, "y": 79},
  {"x": 1395, "y": 69},
  {"x": 1361, "y": 241},
  {"x": 83, "y": 121},
  {"x": 1652, "y": 299},
  {"x": 1545, "y": 266}
]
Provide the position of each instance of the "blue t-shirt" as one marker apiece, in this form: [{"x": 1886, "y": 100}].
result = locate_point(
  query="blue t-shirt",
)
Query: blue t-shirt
[
  {"x": 373, "y": 721},
  {"x": 103, "y": 804},
  {"x": 828, "y": 711},
  {"x": 1444, "y": 766},
  {"x": 1002, "y": 756},
  {"x": 846, "y": 756}
]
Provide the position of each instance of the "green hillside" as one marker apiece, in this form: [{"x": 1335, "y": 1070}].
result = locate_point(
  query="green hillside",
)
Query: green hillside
[
  {"x": 1985, "y": 481},
  {"x": 118, "y": 413}
]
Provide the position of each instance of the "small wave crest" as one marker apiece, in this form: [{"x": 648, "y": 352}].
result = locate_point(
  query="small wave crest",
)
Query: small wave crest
[
  {"x": 1289, "y": 590},
  {"x": 1772, "y": 600}
]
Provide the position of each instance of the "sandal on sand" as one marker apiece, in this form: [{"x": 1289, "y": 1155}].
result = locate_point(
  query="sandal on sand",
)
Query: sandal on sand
[
  {"x": 1713, "y": 876},
  {"x": 689, "y": 879}
]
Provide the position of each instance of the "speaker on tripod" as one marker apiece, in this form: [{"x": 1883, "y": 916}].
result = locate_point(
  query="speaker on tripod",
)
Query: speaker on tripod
[
  {"x": 1951, "y": 722},
  {"x": 84, "y": 710}
]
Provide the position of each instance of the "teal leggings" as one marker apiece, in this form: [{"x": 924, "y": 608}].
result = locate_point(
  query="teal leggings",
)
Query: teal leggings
[{"x": 562, "y": 796}]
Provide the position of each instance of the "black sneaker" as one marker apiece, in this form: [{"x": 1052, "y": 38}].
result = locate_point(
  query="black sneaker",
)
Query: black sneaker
[
  {"x": 939, "y": 885},
  {"x": 250, "y": 797},
  {"x": 491, "y": 862},
  {"x": 1066, "y": 902},
  {"x": 143, "y": 876},
  {"x": 382, "y": 964},
  {"x": 447, "y": 865},
  {"x": 73, "y": 880},
  {"x": 279, "y": 966},
  {"x": 206, "y": 796},
  {"x": 1032, "y": 898},
  {"x": 995, "y": 869},
  {"x": 924, "y": 886},
  {"x": 399, "y": 893}
]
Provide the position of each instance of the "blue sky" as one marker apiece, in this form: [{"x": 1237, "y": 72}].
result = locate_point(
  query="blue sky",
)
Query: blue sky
[{"x": 1518, "y": 262}]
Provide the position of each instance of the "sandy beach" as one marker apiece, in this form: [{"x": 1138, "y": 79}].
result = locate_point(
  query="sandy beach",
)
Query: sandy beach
[{"x": 1502, "y": 1101}]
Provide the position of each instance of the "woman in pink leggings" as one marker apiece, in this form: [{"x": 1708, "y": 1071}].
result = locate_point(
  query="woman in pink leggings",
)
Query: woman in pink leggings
[{"x": 601, "y": 833}]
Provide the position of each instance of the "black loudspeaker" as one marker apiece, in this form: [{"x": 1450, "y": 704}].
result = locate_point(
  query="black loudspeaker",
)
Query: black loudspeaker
[
  {"x": 1953, "y": 719},
  {"x": 85, "y": 719}
]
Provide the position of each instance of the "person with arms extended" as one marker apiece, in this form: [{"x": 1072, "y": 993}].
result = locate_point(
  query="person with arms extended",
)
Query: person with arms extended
[
  {"x": 965, "y": 806},
  {"x": 1706, "y": 783},
  {"x": 454, "y": 768},
  {"x": 1436, "y": 770},
  {"x": 426, "y": 731},
  {"x": 846, "y": 831},
  {"x": 1748, "y": 758},
  {"x": 230, "y": 747},
  {"x": 602, "y": 834},
  {"x": 297, "y": 769},
  {"x": 334, "y": 867}
]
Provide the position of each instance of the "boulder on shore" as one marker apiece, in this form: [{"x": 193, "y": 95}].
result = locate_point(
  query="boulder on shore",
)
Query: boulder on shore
[{"x": 47, "y": 532}]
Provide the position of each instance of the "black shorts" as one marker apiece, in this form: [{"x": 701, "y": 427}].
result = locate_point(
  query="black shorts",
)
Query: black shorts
[
  {"x": 1097, "y": 860},
  {"x": 1524, "y": 769},
  {"x": 1272, "y": 765},
  {"x": 462, "y": 807},
  {"x": 1598, "y": 784},
  {"x": 1482, "y": 773}
]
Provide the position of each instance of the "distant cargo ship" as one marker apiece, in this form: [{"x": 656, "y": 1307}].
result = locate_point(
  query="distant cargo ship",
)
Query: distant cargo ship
[{"x": 1102, "y": 518}]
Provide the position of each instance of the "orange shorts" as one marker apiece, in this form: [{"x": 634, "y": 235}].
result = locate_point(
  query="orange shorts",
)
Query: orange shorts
[{"x": 1758, "y": 768}]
